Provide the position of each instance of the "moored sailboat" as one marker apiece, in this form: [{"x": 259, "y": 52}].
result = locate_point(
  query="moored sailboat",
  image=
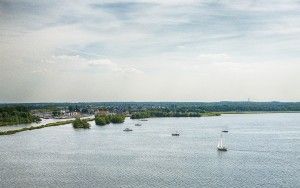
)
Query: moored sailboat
[
  {"x": 221, "y": 146},
  {"x": 127, "y": 129},
  {"x": 175, "y": 134}
]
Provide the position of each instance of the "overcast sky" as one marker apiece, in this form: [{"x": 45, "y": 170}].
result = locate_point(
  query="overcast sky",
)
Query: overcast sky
[{"x": 149, "y": 50}]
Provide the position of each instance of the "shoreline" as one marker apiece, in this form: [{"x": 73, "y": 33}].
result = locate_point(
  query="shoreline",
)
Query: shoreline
[
  {"x": 259, "y": 112},
  {"x": 59, "y": 123},
  {"x": 213, "y": 114}
]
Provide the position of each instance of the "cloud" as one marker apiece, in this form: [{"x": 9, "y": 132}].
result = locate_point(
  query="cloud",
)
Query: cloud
[
  {"x": 167, "y": 44},
  {"x": 220, "y": 56},
  {"x": 261, "y": 5},
  {"x": 66, "y": 63},
  {"x": 100, "y": 62}
]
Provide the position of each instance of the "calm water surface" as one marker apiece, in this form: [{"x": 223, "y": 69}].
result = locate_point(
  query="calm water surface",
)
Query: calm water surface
[{"x": 264, "y": 151}]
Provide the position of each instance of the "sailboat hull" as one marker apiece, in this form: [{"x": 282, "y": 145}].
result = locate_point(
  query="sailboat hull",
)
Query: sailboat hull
[{"x": 222, "y": 149}]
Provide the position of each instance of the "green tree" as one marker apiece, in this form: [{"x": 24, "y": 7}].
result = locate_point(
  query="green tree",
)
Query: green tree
[
  {"x": 80, "y": 123},
  {"x": 101, "y": 120},
  {"x": 106, "y": 119},
  {"x": 117, "y": 118}
]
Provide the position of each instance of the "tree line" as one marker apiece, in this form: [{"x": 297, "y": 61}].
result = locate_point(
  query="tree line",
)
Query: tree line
[
  {"x": 119, "y": 107},
  {"x": 167, "y": 113},
  {"x": 16, "y": 115},
  {"x": 106, "y": 119}
]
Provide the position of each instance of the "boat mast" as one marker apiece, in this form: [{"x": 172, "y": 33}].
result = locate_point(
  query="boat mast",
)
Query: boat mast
[{"x": 221, "y": 141}]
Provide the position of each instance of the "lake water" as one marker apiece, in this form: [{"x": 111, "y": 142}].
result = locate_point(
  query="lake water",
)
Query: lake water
[{"x": 264, "y": 151}]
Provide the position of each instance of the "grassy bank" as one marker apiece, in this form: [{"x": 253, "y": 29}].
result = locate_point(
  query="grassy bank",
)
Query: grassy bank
[{"x": 40, "y": 127}]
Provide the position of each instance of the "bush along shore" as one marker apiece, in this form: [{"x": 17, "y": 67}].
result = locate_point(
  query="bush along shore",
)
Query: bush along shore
[
  {"x": 41, "y": 126},
  {"x": 80, "y": 123},
  {"x": 107, "y": 119}
]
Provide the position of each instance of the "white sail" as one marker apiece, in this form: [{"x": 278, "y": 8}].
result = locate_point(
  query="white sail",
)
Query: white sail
[
  {"x": 221, "y": 141},
  {"x": 221, "y": 146}
]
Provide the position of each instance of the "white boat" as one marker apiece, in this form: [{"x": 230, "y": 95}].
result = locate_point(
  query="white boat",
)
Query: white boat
[
  {"x": 225, "y": 129},
  {"x": 175, "y": 134},
  {"x": 221, "y": 146},
  {"x": 127, "y": 129}
]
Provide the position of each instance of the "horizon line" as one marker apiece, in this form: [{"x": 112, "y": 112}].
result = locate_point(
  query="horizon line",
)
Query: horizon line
[{"x": 250, "y": 101}]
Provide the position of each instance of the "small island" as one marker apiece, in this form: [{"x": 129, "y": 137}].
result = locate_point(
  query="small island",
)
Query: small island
[
  {"x": 81, "y": 123},
  {"x": 106, "y": 119}
]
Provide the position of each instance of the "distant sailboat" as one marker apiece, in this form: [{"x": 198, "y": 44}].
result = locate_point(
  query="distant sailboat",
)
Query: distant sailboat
[
  {"x": 175, "y": 133},
  {"x": 127, "y": 129},
  {"x": 221, "y": 146},
  {"x": 225, "y": 130}
]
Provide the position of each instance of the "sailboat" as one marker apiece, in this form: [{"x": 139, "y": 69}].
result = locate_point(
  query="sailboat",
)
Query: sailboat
[
  {"x": 221, "y": 146},
  {"x": 127, "y": 129},
  {"x": 175, "y": 134},
  {"x": 225, "y": 130}
]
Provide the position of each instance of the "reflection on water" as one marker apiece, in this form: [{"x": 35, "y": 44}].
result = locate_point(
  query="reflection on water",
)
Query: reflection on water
[
  {"x": 263, "y": 151},
  {"x": 221, "y": 153}
]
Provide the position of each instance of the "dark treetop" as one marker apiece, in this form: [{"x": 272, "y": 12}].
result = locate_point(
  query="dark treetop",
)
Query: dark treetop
[{"x": 16, "y": 115}]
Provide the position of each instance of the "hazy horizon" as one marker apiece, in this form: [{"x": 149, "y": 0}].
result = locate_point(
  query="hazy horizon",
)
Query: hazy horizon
[
  {"x": 149, "y": 51},
  {"x": 41, "y": 102}
]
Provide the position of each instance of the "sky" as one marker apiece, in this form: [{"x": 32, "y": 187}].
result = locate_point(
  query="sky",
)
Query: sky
[{"x": 149, "y": 50}]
